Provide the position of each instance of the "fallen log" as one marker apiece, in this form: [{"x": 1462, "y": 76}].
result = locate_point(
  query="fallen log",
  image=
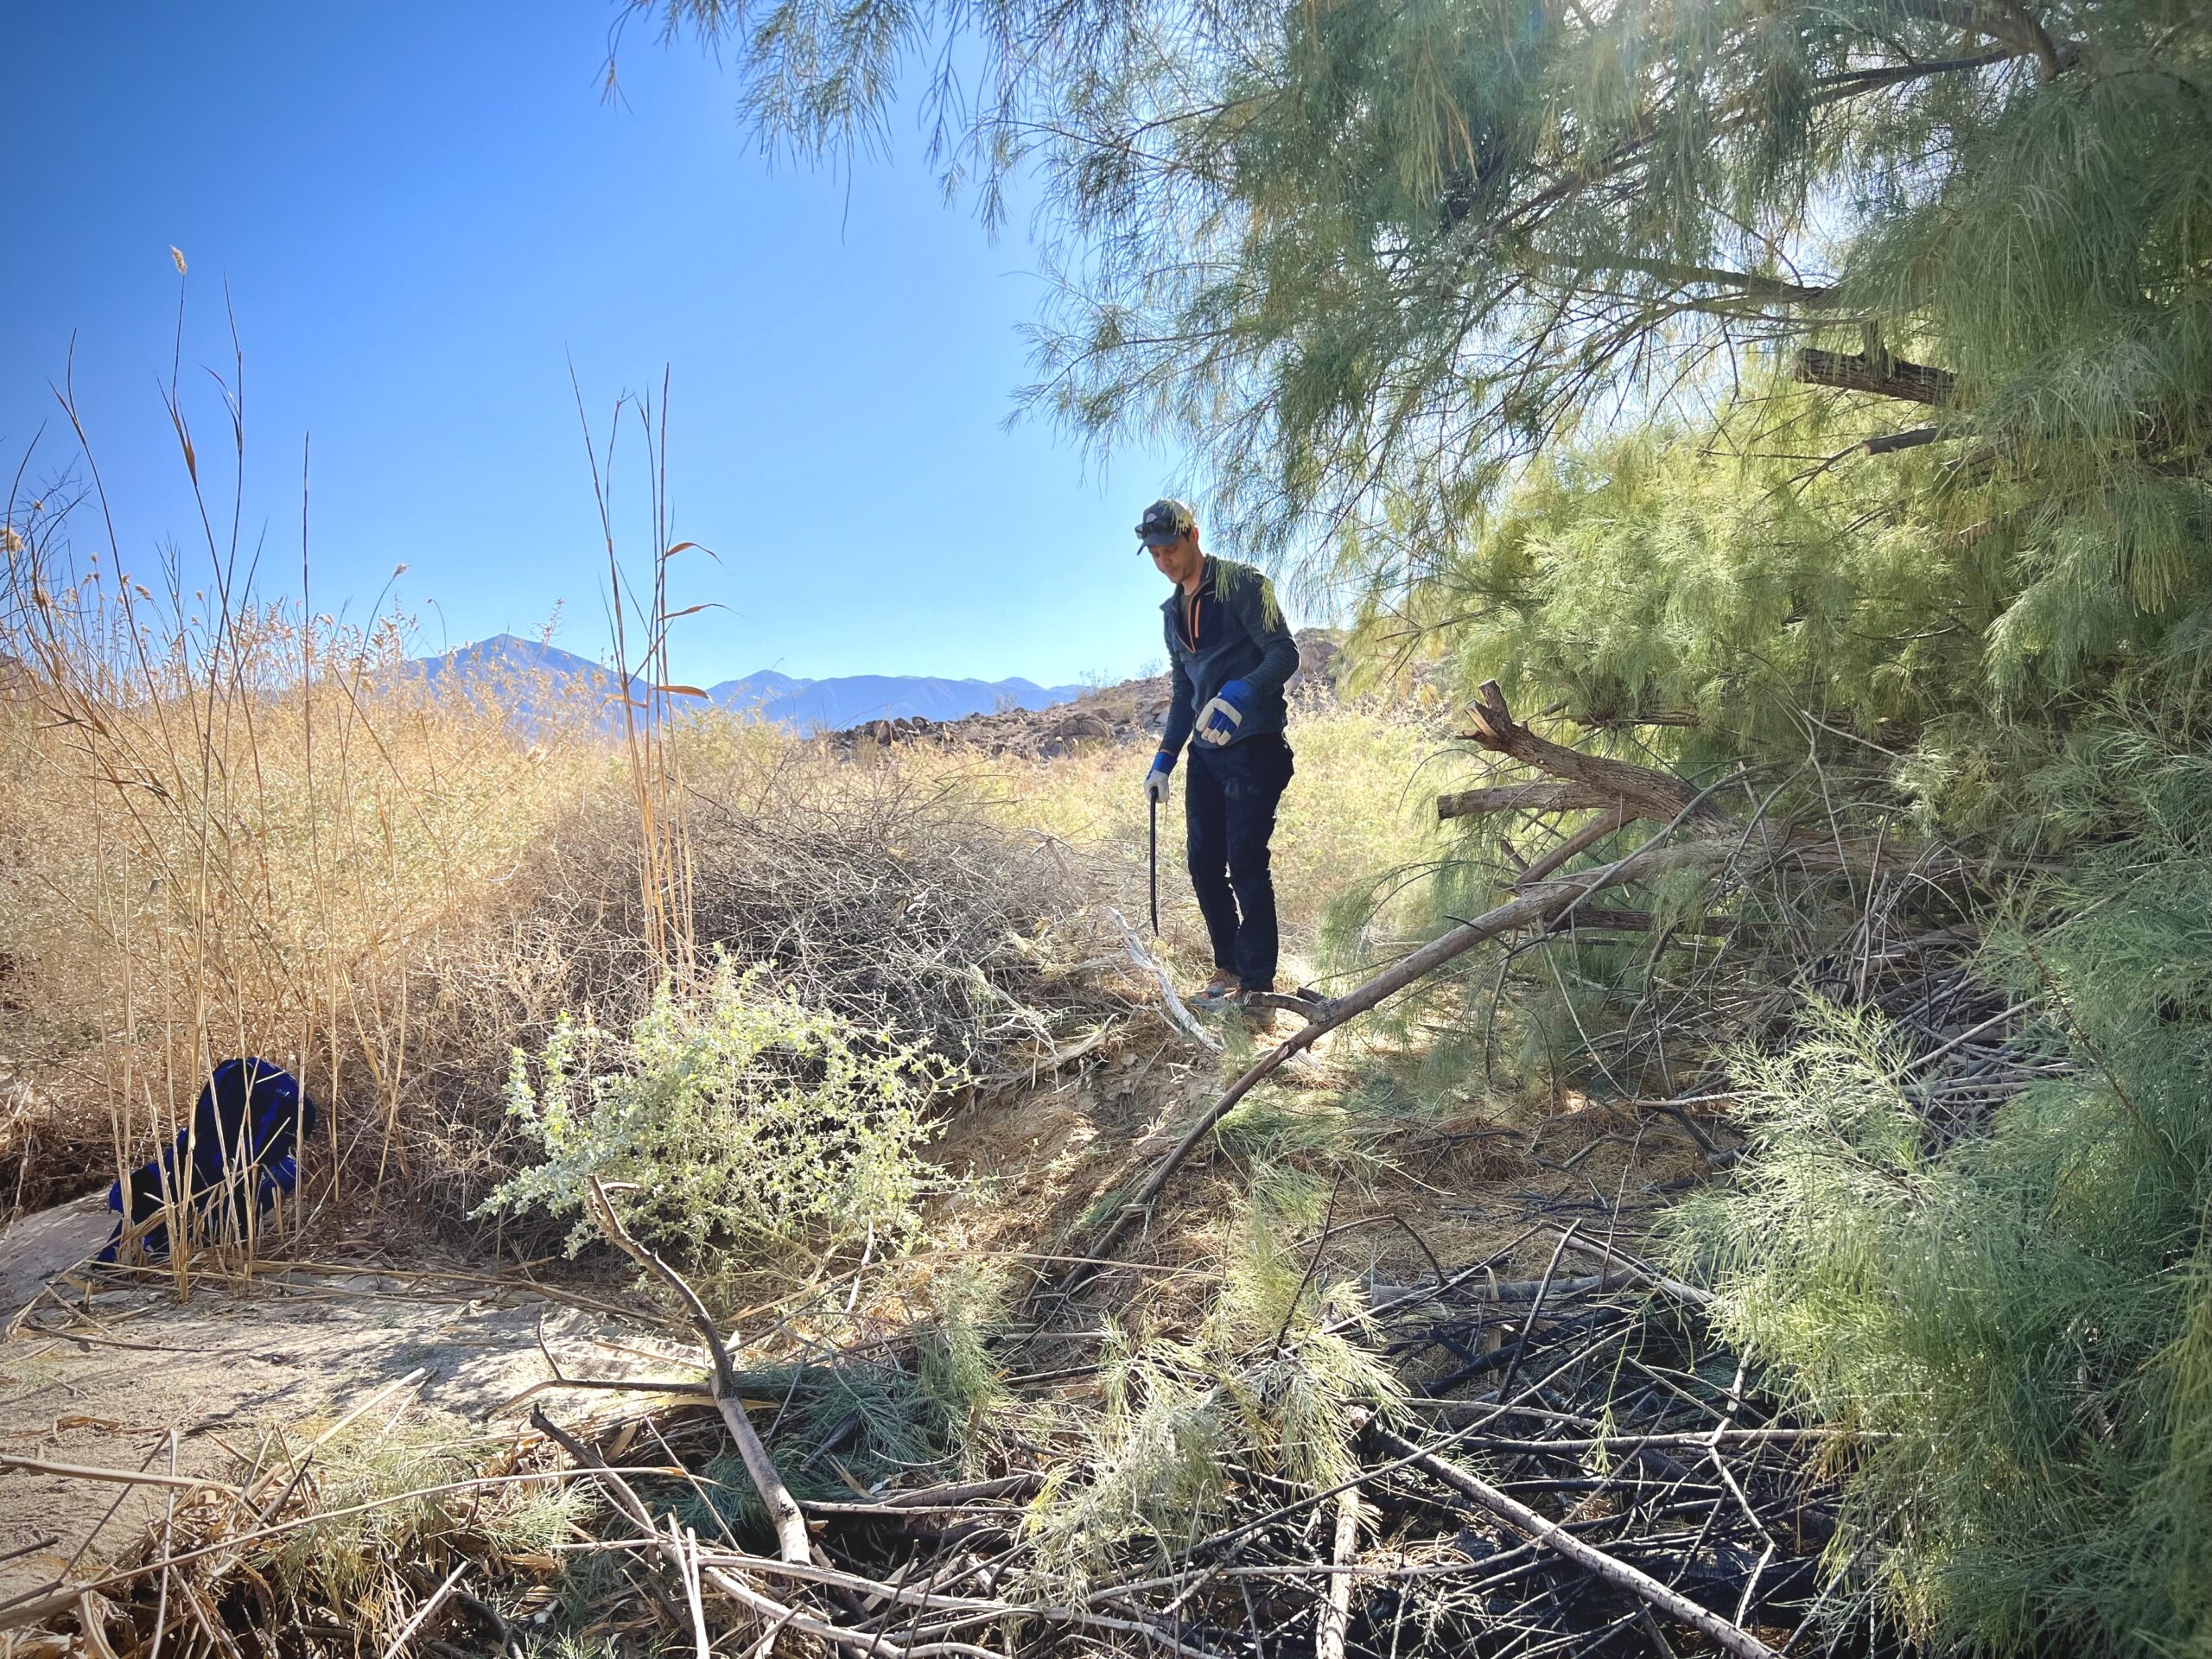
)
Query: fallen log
[
  {"x": 1888, "y": 443},
  {"x": 1144, "y": 959},
  {"x": 1593, "y": 781},
  {"x": 1618, "y": 1261},
  {"x": 1305, "y": 1003},
  {"x": 1523, "y": 797},
  {"x": 1607, "y": 919},
  {"x": 1641, "y": 717},
  {"x": 1571, "y": 848}
]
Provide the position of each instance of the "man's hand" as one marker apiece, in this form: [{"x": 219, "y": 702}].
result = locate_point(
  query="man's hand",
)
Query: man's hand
[
  {"x": 1155, "y": 781},
  {"x": 1219, "y": 720}
]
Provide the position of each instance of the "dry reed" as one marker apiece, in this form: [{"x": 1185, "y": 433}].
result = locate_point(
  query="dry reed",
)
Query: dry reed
[{"x": 231, "y": 824}]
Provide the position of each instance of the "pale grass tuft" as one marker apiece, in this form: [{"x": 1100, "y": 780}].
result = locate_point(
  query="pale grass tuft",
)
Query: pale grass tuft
[{"x": 1264, "y": 1384}]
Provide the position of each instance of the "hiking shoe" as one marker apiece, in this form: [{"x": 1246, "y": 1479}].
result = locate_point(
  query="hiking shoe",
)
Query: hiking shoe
[{"x": 1215, "y": 998}]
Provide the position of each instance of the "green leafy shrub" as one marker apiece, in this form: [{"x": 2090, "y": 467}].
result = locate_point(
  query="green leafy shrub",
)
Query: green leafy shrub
[
  {"x": 2020, "y": 1321},
  {"x": 741, "y": 1120}
]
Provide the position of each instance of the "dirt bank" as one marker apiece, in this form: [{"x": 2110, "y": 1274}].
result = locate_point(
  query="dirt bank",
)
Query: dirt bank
[{"x": 100, "y": 1369}]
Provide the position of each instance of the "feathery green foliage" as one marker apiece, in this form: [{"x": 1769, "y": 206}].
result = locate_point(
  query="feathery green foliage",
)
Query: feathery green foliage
[
  {"x": 2017, "y": 1321},
  {"x": 395, "y": 1473},
  {"x": 736, "y": 1117},
  {"x": 955, "y": 1368},
  {"x": 1264, "y": 1384},
  {"x": 1368, "y": 258}
]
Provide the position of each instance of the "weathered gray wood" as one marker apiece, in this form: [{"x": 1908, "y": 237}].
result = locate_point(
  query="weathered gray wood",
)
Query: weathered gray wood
[
  {"x": 791, "y": 1540},
  {"x": 1521, "y": 797},
  {"x": 1642, "y": 792},
  {"x": 1335, "y": 1617},
  {"x": 1883, "y": 375}
]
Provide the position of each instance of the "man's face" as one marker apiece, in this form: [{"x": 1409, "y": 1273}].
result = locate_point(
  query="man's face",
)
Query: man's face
[{"x": 1178, "y": 560}]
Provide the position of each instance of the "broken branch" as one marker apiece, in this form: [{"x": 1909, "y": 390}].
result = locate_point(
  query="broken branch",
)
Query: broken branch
[
  {"x": 1728, "y": 1635},
  {"x": 1881, "y": 374},
  {"x": 1543, "y": 905},
  {"x": 1522, "y": 798},
  {"x": 792, "y": 1539},
  {"x": 1641, "y": 791}
]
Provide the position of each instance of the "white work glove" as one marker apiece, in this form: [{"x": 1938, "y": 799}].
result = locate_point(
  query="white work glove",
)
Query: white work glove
[
  {"x": 1219, "y": 720},
  {"x": 1155, "y": 781}
]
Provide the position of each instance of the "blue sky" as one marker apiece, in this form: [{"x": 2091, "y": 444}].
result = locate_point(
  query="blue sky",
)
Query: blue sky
[{"x": 422, "y": 211}]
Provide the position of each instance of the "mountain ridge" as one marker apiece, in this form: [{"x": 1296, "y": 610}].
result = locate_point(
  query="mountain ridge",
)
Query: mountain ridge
[{"x": 828, "y": 704}]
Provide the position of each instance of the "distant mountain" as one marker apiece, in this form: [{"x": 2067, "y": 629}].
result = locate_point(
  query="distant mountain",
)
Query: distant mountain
[
  {"x": 833, "y": 705},
  {"x": 531, "y": 677},
  {"x": 503, "y": 657}
]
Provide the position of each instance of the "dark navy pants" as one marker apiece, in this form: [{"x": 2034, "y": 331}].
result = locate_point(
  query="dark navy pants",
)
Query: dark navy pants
[{"x": 1229, "y": 808}]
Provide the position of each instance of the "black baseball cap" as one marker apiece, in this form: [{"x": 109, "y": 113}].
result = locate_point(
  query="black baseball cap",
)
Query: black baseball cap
[{"x": 1164, "y": 521}]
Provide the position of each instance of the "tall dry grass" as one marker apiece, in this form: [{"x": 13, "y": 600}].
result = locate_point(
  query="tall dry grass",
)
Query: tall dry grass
[
  {"x": 300, "y": 851},
  {"x": 231, "y": 824},
  {"x": 233, "y": 828},
  {"x": 1358, "y": 819}
]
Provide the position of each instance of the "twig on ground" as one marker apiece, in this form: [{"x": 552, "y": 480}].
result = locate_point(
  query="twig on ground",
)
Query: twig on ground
[
  {"x": 1143, "y": 959},
  {"x": 784, "y": 1512},
  {"x": 1336, "y": 1607},
  {"x": 1731, "y": 1636},
  {"x": 423, "y": 1614},
  {"x": 124, "y": 1477}
]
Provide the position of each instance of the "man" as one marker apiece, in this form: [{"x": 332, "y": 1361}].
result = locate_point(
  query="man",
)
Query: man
[{"x": 1231, "y": 655}]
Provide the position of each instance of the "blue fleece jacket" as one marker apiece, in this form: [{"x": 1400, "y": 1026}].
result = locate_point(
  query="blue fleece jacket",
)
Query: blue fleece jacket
[{"x": 1235, "y": 631}]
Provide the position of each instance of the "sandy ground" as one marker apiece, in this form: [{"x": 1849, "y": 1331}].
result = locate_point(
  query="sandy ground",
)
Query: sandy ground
[
  {"x": 99, "y": 1370},
  {"x": 102, "y": 1369}
]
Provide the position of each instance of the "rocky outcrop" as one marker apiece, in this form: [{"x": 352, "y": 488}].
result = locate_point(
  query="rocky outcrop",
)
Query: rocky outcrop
[{"x": 1129, "y": 713}]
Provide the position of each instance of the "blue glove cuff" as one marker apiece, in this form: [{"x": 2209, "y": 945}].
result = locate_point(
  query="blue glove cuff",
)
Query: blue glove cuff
[{"x": 1163, "y": 761}]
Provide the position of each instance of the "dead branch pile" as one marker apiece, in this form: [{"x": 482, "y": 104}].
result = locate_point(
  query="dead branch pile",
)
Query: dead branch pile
[
  {"x": 891, "y": 904},
  {"x": 868, "y": 893},
  {"x": 1580, "y": 1471},
  {"x": 871, "y": 892}
]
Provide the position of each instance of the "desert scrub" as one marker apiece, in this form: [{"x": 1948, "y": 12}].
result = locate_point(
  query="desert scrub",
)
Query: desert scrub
[
  {"x": 1266, "y": 1384},
  {"x": 394, "y": 1498},
  {"x": 737, "y": 1119}
]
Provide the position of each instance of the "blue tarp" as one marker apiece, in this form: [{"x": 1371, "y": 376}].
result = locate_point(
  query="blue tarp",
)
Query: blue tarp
[{"x": 238, "y": 1152}]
